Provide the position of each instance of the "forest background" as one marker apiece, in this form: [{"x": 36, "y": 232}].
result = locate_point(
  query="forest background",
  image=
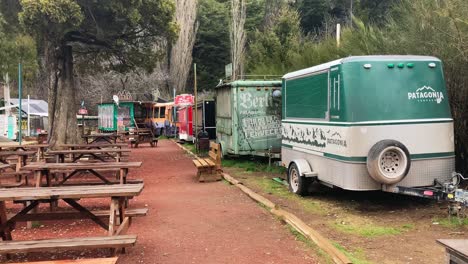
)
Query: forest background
[{"x": 265, "y": 37}]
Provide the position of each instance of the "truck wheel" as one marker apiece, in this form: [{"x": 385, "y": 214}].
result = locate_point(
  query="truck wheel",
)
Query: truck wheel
[
  {"x": 388, "y": 161},
  {"x": 297, "y": 184}
]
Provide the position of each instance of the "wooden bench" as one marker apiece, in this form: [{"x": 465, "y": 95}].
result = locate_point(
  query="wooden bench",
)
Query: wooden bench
[
  {"x": 209, "y": 168},
  {"x": 76, "y": 261},
  {"x": 79, "y": 243}
]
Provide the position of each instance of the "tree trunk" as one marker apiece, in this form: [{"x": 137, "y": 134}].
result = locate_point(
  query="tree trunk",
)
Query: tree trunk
[
  {"x": 238, "y": 37},
  {"x": 181, "y": 52},
  {"x": 63, "y": 126}
]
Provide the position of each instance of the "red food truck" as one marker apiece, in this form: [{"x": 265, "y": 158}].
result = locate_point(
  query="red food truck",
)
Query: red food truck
[{"x": 184, "y": 103}]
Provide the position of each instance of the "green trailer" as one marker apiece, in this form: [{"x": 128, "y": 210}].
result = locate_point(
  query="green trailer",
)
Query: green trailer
[
  {"x": 113, "y": 117},
  {"x": 368, "y": 123},
  {"x": 248, "y": 118}
]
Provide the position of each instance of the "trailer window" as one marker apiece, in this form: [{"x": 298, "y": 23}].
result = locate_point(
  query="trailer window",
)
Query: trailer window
[
  {"x": 162, "y": 112},
  {"x": 106, "y": 116},
  {"x": 123, "y": 114},
  {"x": 307, "y": 97},
  {"x": 223, "y": 108},
  {"x": 140, "y": 111}
]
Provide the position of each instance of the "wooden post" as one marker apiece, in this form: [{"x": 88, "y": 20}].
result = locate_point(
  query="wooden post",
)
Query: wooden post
[
  {"x": 338, "y": 35},
  {"x": 194, "y": 111}
]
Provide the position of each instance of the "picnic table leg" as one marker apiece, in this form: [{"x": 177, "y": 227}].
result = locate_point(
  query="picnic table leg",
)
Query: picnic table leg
[
  {"x": 38, "y": 179},
  {"x": 114, "y": 207},
  {"x": 5, "y": 234},
  {"x": 18, "y": 167},
  {"x": 122, "y": 205},
  {"x": 123, "y": 175}
]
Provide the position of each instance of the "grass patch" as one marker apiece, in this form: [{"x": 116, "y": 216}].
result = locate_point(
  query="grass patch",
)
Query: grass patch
[
  {"x": 357, "y": 257},
  {"x": 270, "y": 186},
  {"x": 252, "y": 165},
  {"x": 227, "y": 183},
  {"x": 190, "y": 147},
  {"x": 407, "y": 226},
  {"x": 35, "y": 224},
  {"x": 366, "y": 229},
  {"x": 452, "y": 222},
  {"x": 320, "y": 253}
]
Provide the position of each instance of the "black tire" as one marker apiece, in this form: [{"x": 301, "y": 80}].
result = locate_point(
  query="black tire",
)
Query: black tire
[
  {"x": 297, "y": 184},
  {"x": 388, "y": 162}
]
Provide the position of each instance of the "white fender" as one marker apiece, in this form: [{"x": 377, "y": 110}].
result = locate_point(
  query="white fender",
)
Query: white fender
[
  {"x": 223, "y": 149},
  {"x": 303, "y": 167}
]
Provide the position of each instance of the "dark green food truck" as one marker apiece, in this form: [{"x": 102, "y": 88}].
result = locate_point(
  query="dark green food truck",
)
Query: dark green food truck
[
  {"x": 248, "y": 118},
  {"x": 113, "y": 117}
]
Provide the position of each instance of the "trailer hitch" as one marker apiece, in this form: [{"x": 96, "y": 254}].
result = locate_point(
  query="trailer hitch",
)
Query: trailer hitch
[{"x": 442, "y": 191}]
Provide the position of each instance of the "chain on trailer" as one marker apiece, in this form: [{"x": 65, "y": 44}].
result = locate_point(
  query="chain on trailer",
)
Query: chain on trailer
[{"x": 451, "y": 191}]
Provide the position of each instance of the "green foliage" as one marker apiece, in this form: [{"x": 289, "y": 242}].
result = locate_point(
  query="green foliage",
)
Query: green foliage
[
  {"x": 60, "y": 15},
  {"x": 313, "y": 13},
  {"x": 121, "y": 33},
  {"x": 273, "y": 48},
  {"x": 211, "y": 49},
  {"x": 418, "y": 27},
  {"x": 16, "y": 48},
  {"x": 255, "y": 15}
]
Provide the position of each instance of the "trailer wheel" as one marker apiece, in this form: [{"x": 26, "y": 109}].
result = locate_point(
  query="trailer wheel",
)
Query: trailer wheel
[
  {"x": 388, "y": 161},
  {"x": 297, "y": 184}
]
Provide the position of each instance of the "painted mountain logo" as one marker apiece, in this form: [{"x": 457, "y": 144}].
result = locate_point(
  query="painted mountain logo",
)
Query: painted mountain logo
[{"x": 426, "y": 94}]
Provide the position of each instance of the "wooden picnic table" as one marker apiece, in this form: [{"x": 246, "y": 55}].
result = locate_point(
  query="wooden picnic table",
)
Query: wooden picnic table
[
  {"x": 21, "y": 155},
  {"x": 142, "y": 135},
  {"x": 95, "y": 146},
  {"x": 456, "y": 250},
  {"x": 101, "y": 137},
  {"x": 76, "y": 154},
  {"x": 118, "y": 194},
  {"x": 41, "y": 170},
  {"x": 40, "y": 148}
]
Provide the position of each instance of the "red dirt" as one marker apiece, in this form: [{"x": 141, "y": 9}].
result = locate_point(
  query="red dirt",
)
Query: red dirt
[{"x": 187, "y": 222}]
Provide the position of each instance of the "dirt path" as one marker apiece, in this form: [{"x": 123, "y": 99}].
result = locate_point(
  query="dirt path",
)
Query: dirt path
[
  {"x": 373, "y": 227},
  {"x": 191, "y": 222}
]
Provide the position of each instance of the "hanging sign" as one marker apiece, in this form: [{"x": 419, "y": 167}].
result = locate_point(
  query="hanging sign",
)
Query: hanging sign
[
  {"x": 82, "y": 111},
  {"x": 183, "y": 100},
  {"x": 125, "y": 95}
]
